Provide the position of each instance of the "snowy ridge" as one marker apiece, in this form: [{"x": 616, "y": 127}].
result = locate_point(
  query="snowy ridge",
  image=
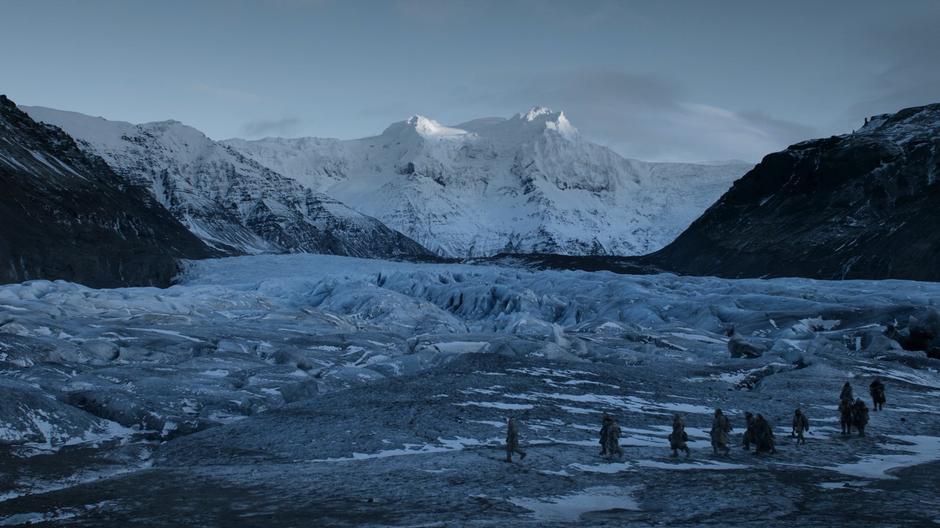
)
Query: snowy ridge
[
  {"x": 227, "y": 200},
  {"x": 529, "y": 183},
  {"x": 67, "y": 215}
]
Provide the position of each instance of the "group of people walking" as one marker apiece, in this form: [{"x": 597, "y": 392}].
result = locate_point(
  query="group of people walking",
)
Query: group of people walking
[
  {"x": 853, "y": 412},
  {"x": 758, "y": 432}
]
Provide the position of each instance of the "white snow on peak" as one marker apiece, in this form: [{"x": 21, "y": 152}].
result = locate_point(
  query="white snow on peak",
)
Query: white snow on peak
[
  {"x": 529, "y": 183},
  {"x": 552, "y": 120},
  {"x": 562, "y": 125},
  {"x": 110, "y": 139},
  {"x": 96, "y": 129},
  {"x": 430, "y": 128},
  {"x": 535, "y": 112}
]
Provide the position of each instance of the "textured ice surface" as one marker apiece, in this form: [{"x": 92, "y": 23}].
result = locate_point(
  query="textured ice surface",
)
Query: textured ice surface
[{"x": 377, "y": 392}]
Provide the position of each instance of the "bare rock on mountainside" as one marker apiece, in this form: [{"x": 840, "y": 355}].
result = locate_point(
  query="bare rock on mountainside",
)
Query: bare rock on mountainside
[
  {"x": 860, "y": 205},
  {"x": 67, "y": 215},
  {"x": 229, "y": 201}
]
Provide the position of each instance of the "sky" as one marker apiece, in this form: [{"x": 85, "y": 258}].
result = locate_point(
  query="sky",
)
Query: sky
[{"x": 657, "y": 80}]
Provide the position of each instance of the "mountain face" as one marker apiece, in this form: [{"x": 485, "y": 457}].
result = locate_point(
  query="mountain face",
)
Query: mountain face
[
  {"x": 528, "y": 184},
  {"x": 229, "y": 201},
  {"x": 861, "y": 205},
  {"x": 67, "y": 215}
]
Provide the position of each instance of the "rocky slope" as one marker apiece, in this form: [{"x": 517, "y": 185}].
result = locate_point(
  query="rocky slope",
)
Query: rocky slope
[
  {"x": 67, "y": 215},
  {"x": 528, "y": 184},
  {"x": 230, "y": 202},
  {"x": 861, "y": 205}
]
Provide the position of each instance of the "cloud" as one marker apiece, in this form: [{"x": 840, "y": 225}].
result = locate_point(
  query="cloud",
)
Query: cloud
[
  {"x": 299, "y": 3},
  {"x": 651, "y": 117},
  {"x": 905, "y": 54},
  {"x": 275, "y": 127},
  {"x": 434, "y": 12},
  {"x": 585, "y": 15},
  {"x": 228, "y": 94},
  {"x": 576, "y": 15}
]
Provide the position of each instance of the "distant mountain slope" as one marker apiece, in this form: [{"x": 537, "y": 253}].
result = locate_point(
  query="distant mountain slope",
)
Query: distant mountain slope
[
  {"x": 520, "y": 185},
  {"x": 861, "y": 205},
  {"x": 66, "y": 215},
  {"x": 229, "y": 201}
]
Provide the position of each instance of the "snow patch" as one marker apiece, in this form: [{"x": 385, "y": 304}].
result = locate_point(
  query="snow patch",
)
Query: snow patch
[{"x": 570, "y": 507}]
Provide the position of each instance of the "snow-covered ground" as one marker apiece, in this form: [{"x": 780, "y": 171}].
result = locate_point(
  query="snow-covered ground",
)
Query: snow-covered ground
[{"x": 280, "y": 389}]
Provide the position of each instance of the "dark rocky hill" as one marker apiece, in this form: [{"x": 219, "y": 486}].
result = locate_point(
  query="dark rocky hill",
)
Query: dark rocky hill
[
  {"x": 862, "y": 205},
  {"x": 67, "y": 215}
]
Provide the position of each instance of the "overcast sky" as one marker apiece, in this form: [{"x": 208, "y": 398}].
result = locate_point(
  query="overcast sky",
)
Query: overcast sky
[{"x": 661, "y": 80}]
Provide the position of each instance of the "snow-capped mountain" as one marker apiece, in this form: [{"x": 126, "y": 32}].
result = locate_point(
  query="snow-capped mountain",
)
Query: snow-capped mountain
[
  {"x": 860, "y": 205},
  {"x": 525, "y": 184},
  {"x": 67, "y": 215},
  {"x": 229, "y": 201}
]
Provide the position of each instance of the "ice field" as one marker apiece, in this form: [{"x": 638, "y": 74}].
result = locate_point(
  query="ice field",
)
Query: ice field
[{"x": 296, "y": 389}]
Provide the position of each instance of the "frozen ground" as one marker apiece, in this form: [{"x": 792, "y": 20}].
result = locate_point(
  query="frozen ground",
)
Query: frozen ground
[{"x": 313, "y": 390}]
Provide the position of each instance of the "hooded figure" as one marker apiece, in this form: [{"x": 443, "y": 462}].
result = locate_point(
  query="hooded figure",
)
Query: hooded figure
[
  {"x": 721, "y": 426},
  {"x": 678, "y": 438},
  {"x": 749, "y": 433},
  {"x": 860, "y": 416},
  {"x": 800, "y": 426},
  {"x": 512, "y": 441},
  {"x": 613, "y": 439},
  {"x": 845, "y": 416},
  {"x": 765, "y": 435},
  {"x": 846, "y": 394},
  {"x": 605, "y": 431},
  {"x": 877, "y": 390}
]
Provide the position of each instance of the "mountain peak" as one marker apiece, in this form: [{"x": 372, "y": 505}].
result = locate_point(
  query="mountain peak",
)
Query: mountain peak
[
  {"x": 537, "y": 111},
  {"x": 904, "y": 125},
  {"x": 424, "y": 127},
  {"x": 552, "y": 120},
  {"x": 428, "y": 127}
]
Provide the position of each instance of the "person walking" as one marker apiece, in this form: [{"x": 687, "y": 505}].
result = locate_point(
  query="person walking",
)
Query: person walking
[
  {"x": 800, "y": 426},
  {"x": 512, "y": 441},
  {"x": 721, "y": 426},
  {"x": 613, "y": 439},
  {"x": 748, "y": 437},
  {"x": 877, "y": 390},
  {"x": 678, "y": 439},
  {"x": 605, "y": 430},
  {"x": 765, "y": 436}
]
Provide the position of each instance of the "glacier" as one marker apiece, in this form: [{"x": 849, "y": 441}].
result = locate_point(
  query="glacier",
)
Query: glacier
[{"x": 289, "y": 389}]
